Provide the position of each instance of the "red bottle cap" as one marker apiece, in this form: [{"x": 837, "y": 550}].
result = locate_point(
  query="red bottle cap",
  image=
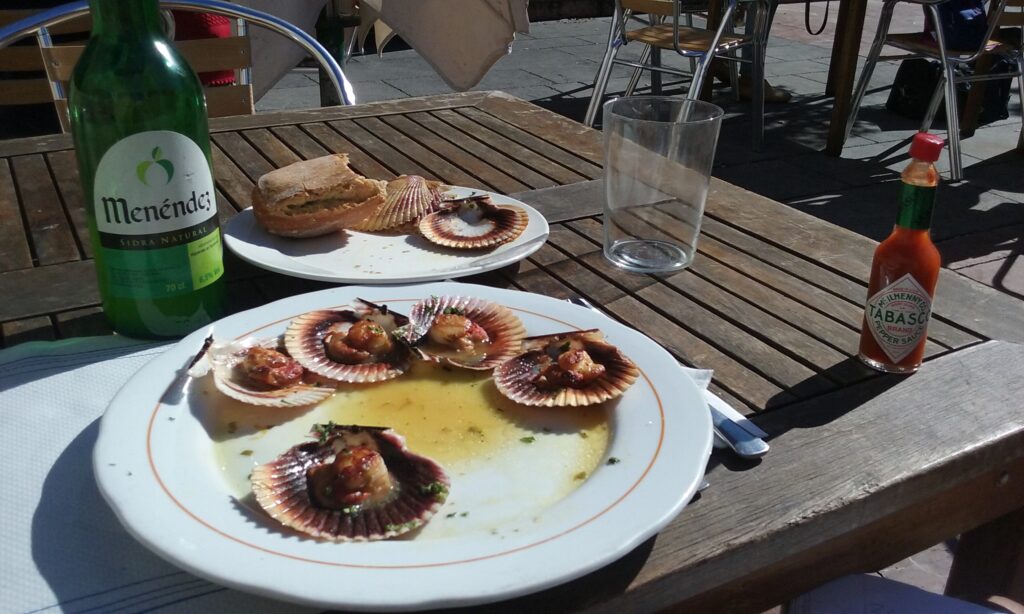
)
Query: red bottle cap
[{"x": 927, "y": 147}]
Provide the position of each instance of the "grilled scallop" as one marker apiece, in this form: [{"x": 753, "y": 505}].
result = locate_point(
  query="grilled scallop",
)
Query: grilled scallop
[
  {"x": 465, "y": 332},
  {"x": 260, "y": 372},
  {"x": 566, "y": 369},
  {"x": 356, "y": 483},
  {"x": 349, "y": 345}
]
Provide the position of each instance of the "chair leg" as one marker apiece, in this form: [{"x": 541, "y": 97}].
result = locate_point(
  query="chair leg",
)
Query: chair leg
[
  {"x": 634, "y": 81},
  {"x": 655, "y": 74},
  {"x": 869, "y": 64},
  {"x": 1020, "y": 93},
  {"x": 933, "y": 104},
  {"x": 601, "y": 79},
  {"x": 705, "y": 61},
  {"x": 761, "y": 28},
  {"x": 956, "y": 172}
]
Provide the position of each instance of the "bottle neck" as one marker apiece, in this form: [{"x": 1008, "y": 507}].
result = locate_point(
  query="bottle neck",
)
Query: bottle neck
[
  {"x": 126, "y": 18},
  {"x": 917, "y": 195}
]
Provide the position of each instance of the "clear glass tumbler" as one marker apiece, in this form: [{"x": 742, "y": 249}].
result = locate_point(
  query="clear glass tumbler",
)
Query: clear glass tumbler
[{"x": 658, "y": 153}]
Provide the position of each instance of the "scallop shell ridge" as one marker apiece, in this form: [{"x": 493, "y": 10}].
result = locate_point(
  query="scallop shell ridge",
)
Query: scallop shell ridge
[
  {"x": 409, "y": 198},
  {"x": 281, "y": 488},
  {"x": 474, "y": 223}
]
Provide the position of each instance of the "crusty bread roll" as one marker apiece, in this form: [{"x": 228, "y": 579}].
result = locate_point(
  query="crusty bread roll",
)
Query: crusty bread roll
[{"x": 315, "y": 197}]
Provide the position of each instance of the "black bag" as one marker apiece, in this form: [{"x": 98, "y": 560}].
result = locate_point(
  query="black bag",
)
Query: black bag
[{"x": 916, "y": 80}]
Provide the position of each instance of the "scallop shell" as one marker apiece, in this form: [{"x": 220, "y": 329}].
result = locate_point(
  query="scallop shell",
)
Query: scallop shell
[
  {"x": 282, "y": 487},
  {"x": 504, "y": 330},
  {"x": 408, "y": 199},
  {"x": 515, "y": 378},
  {"x": 305, "y": 335},
  {"x": 225, "y": 362},
  {"x": 474, "y": 223}
]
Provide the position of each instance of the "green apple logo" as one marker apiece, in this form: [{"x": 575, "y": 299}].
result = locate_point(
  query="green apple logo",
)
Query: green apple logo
[{"x": 140, "y": 170}]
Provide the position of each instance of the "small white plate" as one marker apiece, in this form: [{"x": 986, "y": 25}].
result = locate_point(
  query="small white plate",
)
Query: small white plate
[
  {"x": 165, "y": 474},
  {"x": 353, "y": 257}
]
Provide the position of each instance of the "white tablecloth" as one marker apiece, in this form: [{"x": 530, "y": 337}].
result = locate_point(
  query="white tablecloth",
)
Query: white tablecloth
[{"x": 61, "y": 547}]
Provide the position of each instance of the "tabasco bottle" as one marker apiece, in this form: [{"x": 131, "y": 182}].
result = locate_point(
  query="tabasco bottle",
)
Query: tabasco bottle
[
  {"x": 904, "y": 270},
  {"x": 138, "y": 118}
]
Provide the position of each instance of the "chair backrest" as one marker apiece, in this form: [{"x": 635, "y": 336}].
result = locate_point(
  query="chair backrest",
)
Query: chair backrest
[
  {"x": 205, "y": 55},
  {"x": 28, "y": 83},
  {"x": 650, "y": 7}
]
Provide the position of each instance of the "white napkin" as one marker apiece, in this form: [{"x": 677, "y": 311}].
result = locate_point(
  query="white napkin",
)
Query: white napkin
[
  {"x": 60, "y": 543},
  {"x": 460, "y": 39},
  {"x": 702, "y": 377}
]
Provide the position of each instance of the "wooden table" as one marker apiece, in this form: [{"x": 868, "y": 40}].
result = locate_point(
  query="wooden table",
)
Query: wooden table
[{"x": 864, "y": 469}]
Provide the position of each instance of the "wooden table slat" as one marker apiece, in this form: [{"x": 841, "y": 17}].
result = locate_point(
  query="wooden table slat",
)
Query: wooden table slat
[
  {"x": 39, "y": 328},
  {"x": 584, "y": 168},
  {"x": 230, "y": 179},
  {"x": 829, "y": 331},
  {"x": 14, "y": 248},
  {"x": 549, "y": 173},
  {"x": 53, "y": 241},
  {"x": 506, "y": 183},
  {"x": 544, "y": 124},
  {"x": 437, "y": 164},
  {"x": 306, "y": 146},
  {"x": 270, "y": 146},
  {"x": 86, "y": 322},
  {"x": 65, "y": 171},
  {"x": 359, "y": 160},
  {"x": 486, "y": 176},
  {"x": 395, "y": 160},
  {"x": 245, "y": 156}
]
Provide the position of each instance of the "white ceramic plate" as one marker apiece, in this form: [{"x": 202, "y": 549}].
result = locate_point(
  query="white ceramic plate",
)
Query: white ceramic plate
[
  {"x": 353, "y": 257},
  {"x": 164, "y": 473}
]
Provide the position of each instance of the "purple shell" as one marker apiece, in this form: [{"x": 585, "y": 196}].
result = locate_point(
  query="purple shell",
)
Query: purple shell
[{"x": 282, "y": 488}]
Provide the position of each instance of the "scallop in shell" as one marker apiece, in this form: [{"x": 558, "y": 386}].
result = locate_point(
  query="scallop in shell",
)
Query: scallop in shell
[
  {"x": 408, "y": 199},
  {"x": 259, "y": 372},
  {"x": 464, "y": 332},
  {"x": 474, "y": 223},
  {"x": 567, "y": 369},
  {"x": 350, "y": 345},
  {"x": 356, "y": 483}
]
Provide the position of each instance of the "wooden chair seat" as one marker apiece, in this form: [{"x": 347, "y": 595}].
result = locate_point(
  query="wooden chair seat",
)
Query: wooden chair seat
[
  {"x": 916, "y": 42},
  {"x": 690, "y": 39}
]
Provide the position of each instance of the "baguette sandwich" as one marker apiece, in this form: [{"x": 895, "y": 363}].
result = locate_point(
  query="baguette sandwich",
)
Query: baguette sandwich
[{"x": 315, "y": 197}]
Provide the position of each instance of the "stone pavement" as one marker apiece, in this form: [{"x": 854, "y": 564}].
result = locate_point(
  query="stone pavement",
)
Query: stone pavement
[{"x": 979, "y": 222}]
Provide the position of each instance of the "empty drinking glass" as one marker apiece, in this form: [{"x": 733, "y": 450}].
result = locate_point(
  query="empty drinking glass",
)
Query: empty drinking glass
[{"x": 657, "y": 166}]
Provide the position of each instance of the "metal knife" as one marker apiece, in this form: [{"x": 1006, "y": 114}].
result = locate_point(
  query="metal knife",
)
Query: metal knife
[{"x": 739, "y": 439}]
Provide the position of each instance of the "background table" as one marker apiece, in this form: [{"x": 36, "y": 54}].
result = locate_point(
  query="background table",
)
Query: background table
[{"x": 864, "y": 470}]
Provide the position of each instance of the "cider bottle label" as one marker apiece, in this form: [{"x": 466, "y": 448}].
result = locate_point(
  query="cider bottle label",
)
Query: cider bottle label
[
  {"x": 156, "y": 216},
  {"x": 897, "y": 316}
]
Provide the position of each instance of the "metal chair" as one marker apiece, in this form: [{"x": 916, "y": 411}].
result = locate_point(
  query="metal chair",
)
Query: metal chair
[
  {"x": 688, "y": 42},
  {"x": 63, "y": 58},
  {"x": 918, "y": 46}
]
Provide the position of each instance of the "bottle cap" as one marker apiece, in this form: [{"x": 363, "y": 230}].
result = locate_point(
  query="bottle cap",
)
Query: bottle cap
[{"x": 927, "y": 147}]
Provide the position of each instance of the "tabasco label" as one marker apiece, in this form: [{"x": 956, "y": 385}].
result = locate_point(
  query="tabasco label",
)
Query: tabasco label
[{"x": 897, "y": 316}]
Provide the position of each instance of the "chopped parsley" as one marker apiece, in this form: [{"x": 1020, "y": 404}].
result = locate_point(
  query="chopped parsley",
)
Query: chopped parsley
[
  {"x": 463, "y": 514},
  {"x": 476, "y": 430},
  {"x": 454, "y": 311},
  {"x": 323, "y": 431},
  {"x": 613, "y": 461},
  {"x": 232, "y": 427},
  {"x": 582, "y": 475},
  {"x": 434, "y": 488},
  {"x": 529, "y": 439},
  {"x": 246, "y": 452},
  {"x": 564, "y": 347},
  {"x": 452, "y": 515}
]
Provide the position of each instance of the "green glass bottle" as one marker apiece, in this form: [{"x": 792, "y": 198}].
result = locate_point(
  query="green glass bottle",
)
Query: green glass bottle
[{"x": 138, "y": 117}]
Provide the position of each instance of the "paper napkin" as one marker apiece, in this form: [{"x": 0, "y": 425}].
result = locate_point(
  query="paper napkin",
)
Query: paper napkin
[{"x": 702, "y": 377}]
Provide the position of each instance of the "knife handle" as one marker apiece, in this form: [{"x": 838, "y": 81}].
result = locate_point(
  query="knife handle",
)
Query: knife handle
[{"x": 743, "y": 443}]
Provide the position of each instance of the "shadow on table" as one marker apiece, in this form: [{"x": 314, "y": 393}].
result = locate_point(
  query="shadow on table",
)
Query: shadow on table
[{"x": 83, "y": 553}]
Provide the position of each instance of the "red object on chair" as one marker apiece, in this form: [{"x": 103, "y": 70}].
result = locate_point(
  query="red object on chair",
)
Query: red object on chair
[{"x": 189, "y": 26}]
